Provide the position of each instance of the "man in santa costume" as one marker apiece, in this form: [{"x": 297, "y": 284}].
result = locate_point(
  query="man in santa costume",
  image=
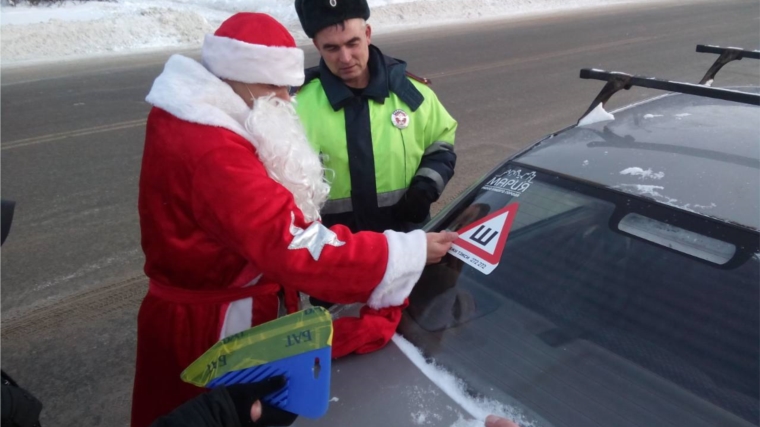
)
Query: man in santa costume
[{"x": 230, "y": 193}]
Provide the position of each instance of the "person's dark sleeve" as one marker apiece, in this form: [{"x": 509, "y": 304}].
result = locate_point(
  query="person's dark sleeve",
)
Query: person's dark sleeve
[
  {"x": 230, "y": 406},
  {"x": 19, "y": 408},
  {"x": 212, "y": 409},
  {"x": 436, "y": 166}
]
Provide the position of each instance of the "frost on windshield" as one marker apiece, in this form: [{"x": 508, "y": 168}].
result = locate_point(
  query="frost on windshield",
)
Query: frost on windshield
[
  {"x": 646, "y": 190},
  {"x": 643, "y": 174},
  {"x": 477, "y": 408},
  {"x": 653, "y": 192},
  {"x": 598, "y": 114}
]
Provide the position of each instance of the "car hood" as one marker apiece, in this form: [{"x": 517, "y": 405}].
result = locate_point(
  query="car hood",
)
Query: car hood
[{"x": 383, "y": 389}]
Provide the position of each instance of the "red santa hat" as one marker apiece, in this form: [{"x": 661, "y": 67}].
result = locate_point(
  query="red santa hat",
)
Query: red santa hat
[{"x": 254, "y": 48}]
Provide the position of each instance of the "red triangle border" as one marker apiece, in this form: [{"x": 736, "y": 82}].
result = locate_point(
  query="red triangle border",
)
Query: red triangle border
[{"x": 496, "y": 257}]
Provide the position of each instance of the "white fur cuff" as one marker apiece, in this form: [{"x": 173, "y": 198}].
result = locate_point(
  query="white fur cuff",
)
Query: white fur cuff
[
  {"x": 234, "y": 60},
  {"x": 407, "y": 253}
]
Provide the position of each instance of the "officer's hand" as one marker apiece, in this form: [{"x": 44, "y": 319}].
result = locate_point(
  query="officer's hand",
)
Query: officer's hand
[
  {"x": 494, "y": 421},
  {"x": 252, "y": 412},
  {"x": 438, "y": 244}
]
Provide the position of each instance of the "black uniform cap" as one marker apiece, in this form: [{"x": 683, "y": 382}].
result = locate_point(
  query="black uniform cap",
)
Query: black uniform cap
[{"x": 316, "y": 15}]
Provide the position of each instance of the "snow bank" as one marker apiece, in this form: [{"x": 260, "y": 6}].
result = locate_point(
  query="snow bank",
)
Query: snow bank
[
  {"x": 151, "y": 28},
  {"x": 72, "y": 30}
]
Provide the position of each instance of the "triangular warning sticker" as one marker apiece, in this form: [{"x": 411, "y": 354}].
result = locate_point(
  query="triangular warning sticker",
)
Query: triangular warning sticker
[{"x": 481, "y": 243}]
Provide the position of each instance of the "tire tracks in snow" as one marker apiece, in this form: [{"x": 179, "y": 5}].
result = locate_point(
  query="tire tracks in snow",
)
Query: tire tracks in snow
[
  {"x": 74, "y": 134},
  {"x": 79, "y": 308}
]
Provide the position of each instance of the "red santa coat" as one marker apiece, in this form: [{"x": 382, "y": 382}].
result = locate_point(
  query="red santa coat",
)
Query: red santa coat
[{"x": 226, "y": 247}]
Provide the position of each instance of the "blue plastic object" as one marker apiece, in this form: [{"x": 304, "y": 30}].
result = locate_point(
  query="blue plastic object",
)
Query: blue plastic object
[{"x": 308, "y": 390}]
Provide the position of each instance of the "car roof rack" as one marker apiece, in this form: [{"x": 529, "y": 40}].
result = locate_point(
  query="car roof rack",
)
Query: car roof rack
[
  {"x": 727, "y": 54},
  {"x": 617, "y": 81}
]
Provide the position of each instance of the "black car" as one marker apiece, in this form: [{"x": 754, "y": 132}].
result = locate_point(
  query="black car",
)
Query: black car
[{"x": 608, "y": 275}]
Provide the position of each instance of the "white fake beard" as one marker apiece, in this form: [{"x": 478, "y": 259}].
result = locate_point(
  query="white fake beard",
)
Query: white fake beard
[{"x": 281, "y": 144}]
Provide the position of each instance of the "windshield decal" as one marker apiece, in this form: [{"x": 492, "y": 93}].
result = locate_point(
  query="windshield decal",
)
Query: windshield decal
[
  {"x": 481, "y": 243},
  {"x": 512, "y": 182}
]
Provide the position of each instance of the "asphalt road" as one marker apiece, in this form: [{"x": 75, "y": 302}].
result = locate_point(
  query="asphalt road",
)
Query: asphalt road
[{"x": 72, "y": 138}]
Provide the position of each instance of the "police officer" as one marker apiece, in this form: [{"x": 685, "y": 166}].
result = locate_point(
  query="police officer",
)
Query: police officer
[{"x": 380, "y": 130}]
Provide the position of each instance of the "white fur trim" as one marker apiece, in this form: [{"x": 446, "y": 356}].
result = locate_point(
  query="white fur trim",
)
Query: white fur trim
[
  {"x": 238, "y": 318},
  {"x": 188, "y": 91},
  {"x": 251, "y": 63},
  {"x": 407, "y": 253},
  {"x": 239, "y": 315}
]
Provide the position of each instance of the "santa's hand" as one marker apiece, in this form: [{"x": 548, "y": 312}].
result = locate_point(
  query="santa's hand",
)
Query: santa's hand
[{"x": 438, "y": 244}]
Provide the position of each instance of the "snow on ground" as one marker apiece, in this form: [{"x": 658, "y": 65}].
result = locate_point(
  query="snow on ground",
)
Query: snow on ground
[{"x": 75, "y": 29}]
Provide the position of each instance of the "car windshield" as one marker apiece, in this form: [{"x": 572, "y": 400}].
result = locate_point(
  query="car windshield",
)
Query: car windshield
[{"x": 602, "y": 309}]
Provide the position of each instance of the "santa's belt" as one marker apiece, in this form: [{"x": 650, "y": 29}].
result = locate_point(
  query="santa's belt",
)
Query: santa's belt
[{"x": 217, "y": 296}]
